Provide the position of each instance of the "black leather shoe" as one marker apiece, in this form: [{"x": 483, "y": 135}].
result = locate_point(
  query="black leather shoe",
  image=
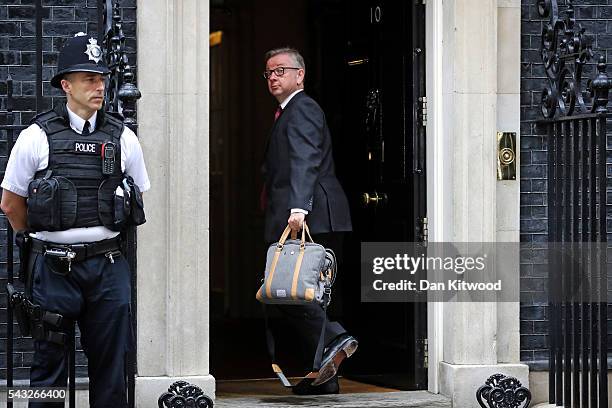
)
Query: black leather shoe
[
  {"x": 342, "y": 347},
  {"x": 305, "y": 387}
]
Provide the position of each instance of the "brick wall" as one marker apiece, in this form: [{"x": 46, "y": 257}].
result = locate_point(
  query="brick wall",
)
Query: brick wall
[
  {"x": 61, "y": 19},
  {"x": 595, "y": 16}
]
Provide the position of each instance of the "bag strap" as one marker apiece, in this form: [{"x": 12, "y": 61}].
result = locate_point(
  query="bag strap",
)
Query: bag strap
[
  {"x": 284, "y": 236},
  {"x": 316, "y": 365},
  {"x": 270, "y": 342},
  {"x": 318, "y": 357},
  {"x": 272, "y": 351},
  {"x": 296, "y": 270},
  {"x": 294, "y": 234},
  {"x": 277, "y": 252},
  {"x": 307, "y": 232},
  {"x": 279, "y": 248}
]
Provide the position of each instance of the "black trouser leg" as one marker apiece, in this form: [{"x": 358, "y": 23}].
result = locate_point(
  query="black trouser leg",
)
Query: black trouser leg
[
  {"x": 49, "y": 369},
  {"x": 308, "y": 319},
  {"x": 106, "y": 332},
  {"x": 97, "y": 293},
  {"x": 60, "y": 294}
]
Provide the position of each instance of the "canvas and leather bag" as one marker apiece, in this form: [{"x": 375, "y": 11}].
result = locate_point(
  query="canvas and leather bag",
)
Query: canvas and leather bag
[{"x": 297, "y": 271}]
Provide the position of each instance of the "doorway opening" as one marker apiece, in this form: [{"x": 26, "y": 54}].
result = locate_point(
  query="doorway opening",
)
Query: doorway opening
[{"x": 365, "y": 66}]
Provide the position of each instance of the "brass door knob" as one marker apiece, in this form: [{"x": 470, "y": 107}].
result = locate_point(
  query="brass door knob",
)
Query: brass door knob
[
  {"x": 373, "y": 199},
  {"x": 367, "y": 200}
]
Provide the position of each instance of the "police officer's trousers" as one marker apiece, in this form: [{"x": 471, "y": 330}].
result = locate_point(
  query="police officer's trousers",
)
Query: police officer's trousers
[{"x": 96, "y": 293}]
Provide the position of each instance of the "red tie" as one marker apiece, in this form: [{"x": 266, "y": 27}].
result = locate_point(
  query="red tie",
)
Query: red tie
[
  {"x": 263, "y": 195},
  {"x": 278, "y": 112}
]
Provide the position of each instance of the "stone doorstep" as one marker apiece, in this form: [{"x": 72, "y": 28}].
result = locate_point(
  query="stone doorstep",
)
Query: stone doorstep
[{"x": 399, "y": 399}]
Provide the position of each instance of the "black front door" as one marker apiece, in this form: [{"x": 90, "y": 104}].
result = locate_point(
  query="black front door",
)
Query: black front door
[
  {"x": 365, "y": 66},
  {"x": 381, "y": 159}
]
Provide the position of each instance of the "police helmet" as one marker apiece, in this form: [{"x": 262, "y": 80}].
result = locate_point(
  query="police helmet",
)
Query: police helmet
[{"x": 79, "y": 54}]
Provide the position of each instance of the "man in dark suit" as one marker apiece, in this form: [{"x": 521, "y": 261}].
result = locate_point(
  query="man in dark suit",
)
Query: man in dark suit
[{"x": 300, "y": 183}]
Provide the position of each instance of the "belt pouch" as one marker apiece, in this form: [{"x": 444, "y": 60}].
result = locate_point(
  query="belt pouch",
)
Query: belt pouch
[
  {"x": 121, "y": 207},
  {"x": 44, "y": 205},
  {"x": 24, "y": 243},
  {"x": 137, "y": 214}
]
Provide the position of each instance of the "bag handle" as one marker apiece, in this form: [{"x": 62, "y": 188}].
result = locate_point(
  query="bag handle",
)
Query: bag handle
[
  {"x": 305, "y": 228},
  {"x": 287, "y": 231},
  {"x": 284, "y": 236},
  {"x": 305, "y": 232}
]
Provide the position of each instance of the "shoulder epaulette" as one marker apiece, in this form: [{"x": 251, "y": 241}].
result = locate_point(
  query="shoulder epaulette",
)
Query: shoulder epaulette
[
  {"x": 111, "y": 124},
  {"x": 51, "y": 121},
  {"x": 113, "y": 120},
  {"x": 43, "y": 117}
]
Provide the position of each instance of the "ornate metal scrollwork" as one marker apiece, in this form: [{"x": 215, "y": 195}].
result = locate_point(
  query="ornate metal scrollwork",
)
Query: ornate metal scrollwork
[
  {"x": 500, "y": 391},
  {"x": 599, "y": 87},
  {"x": 565, "y": 50},
  {"x": 181, "y": 394},
  {"x": 121, "y": 93},
  {"x": 373, "y": 107},
  {"x": 373, "y": 126}
]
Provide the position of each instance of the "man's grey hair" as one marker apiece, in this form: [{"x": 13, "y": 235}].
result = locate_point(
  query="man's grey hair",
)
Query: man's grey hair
[{"x": 295, "y": 54}]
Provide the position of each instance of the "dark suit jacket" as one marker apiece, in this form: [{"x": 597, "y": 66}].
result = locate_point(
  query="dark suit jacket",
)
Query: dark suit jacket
[{"x": 299, "y": 172}]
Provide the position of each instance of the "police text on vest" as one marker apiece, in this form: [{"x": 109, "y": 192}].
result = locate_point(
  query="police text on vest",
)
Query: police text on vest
[{"x": 81, "y": 147}]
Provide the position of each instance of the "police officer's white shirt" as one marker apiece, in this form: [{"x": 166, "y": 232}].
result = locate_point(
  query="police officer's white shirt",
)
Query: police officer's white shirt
[{"x": 31, "y": 154}]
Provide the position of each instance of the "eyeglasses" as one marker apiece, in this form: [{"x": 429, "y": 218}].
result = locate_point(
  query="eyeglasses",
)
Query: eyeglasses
[{"x": 278, "y": 71}]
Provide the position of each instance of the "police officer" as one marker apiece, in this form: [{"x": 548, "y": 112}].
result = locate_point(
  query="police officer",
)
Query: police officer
[{"x": 73, "y": 179}]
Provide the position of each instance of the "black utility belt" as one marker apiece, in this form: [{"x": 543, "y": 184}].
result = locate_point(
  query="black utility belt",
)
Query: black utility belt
[{"x": 78, "y": 252}]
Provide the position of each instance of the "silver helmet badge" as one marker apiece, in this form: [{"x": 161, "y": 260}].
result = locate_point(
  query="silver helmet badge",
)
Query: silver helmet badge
[{"x": 94, "y": 52}]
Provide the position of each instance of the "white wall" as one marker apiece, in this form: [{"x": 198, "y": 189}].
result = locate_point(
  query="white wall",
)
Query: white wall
[
  {"x": 173, "y": 76},
  {"x": 473, "y": 70}
]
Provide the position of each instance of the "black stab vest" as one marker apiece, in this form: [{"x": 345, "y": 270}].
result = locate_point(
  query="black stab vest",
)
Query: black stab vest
[{"x": 75, "y": 160}]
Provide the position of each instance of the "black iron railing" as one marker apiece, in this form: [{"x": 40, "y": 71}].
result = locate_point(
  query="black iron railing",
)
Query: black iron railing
[
  {"x": 576, "y": 118},
  {"x": 578, "y": 279},
  {"x": 10, "y": 130},
  {"x": 120, "y": 98}
]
